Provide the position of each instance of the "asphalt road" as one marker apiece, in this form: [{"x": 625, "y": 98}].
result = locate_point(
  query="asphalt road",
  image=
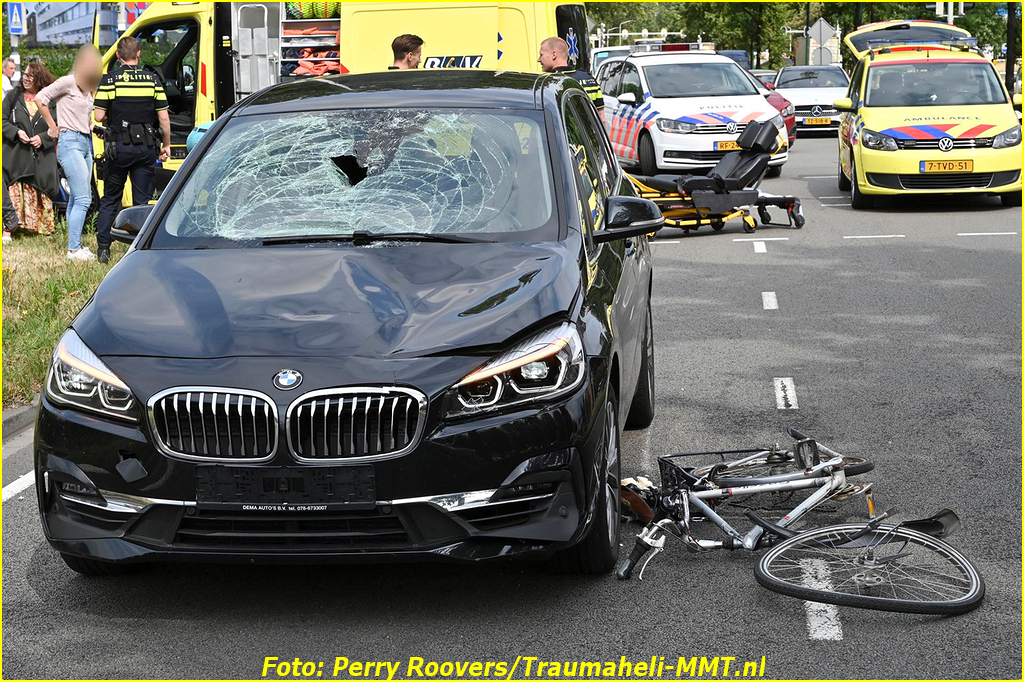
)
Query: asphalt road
[{"x": 905, "y": 349}]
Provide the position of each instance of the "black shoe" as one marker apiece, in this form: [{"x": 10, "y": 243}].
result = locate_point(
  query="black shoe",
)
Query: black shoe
[{"x": 103, "y": 254}]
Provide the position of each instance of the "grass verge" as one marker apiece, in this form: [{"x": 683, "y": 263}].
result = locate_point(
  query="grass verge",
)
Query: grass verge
[{"x": 42, "y": 293}]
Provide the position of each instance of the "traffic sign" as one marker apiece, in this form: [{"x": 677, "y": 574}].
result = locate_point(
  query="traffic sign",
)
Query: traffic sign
[{"x": 16, "y": 18}]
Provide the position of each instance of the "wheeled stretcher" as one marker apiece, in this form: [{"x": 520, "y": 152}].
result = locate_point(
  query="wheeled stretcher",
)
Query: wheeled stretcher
[{"x": 728, "y": 192}]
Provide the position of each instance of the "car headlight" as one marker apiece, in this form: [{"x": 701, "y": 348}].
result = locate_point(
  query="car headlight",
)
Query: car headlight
[
  {"x": 873, "y": 140},
  {"x": 788, "y": 111},
  {"x": 1008, "y": 138},
  {"x": 778, "y": 122},
  {"x": 542, "y": 367},
  {"x": 668, "y": 125},
  {"x": 79, "y": 378}
]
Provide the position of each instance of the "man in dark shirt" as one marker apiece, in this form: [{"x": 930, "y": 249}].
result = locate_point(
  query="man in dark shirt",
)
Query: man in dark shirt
[
  {"x": 131, "y": 103},
  {"x": 554, "y": 58}
]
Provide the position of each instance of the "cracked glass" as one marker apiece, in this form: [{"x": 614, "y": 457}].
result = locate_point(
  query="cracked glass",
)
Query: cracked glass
[{"x": 481, "y": 173}]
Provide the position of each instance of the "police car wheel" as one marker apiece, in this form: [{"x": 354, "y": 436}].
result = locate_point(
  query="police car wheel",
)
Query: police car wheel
[{"x": 648, "y": 159}]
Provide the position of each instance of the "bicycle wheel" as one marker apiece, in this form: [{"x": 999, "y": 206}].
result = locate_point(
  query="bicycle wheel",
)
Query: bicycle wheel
[
  {"x": 888, "y": 569},
  {"x": 764, "y": 469}
]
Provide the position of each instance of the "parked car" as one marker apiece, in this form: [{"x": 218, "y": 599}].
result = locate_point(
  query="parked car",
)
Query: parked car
[
  {"x": 378, "y": 316},
  {"x": 766, "y": 76},
  {"x": 604, "y": 53},
  {"x": 783, "y": 105},
  {"x": 813, "y": 90}
]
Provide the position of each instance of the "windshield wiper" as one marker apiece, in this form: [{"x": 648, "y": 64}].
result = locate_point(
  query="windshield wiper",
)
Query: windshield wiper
[{"x": 363, "y": 238}]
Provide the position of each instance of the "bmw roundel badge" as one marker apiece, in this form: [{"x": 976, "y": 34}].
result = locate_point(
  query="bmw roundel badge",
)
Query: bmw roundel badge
[{"x": 287, "y": 379}]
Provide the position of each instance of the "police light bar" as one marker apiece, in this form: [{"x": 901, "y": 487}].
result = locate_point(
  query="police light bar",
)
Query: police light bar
[{"x": 903, "y": 44}]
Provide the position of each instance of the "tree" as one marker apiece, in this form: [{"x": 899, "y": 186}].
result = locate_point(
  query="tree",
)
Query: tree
[{"x": 985, "y": 23}]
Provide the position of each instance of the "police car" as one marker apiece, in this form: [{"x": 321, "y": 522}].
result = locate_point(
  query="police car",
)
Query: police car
[
  {"x": 926, "y": 114},
  {"x": 682, "y": 111}
]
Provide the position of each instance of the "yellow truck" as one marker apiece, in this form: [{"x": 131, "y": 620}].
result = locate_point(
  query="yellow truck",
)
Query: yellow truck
[{"x": 213, "y": 54}]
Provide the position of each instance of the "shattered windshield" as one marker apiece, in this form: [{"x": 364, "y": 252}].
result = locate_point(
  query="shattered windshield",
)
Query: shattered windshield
[{"x": 441, "y": 172}]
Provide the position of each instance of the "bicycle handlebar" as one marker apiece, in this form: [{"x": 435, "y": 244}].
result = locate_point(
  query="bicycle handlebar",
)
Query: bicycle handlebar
[
  {"x": 626, "y": 569},
  {"x": 799, "y": 435}
]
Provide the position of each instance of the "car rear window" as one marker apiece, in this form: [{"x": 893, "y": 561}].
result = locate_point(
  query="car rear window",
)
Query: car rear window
[{"x": 464, "y": 172}]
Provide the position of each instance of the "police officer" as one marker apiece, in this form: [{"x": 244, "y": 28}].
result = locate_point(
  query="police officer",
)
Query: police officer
[
  {"x": 554, "y": 58},
  {"x": 131, "y": 103}
]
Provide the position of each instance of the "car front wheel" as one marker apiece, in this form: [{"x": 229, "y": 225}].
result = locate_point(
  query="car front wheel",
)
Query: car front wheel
[
  {"x": 598, "y": 552},
  {"x": 641, "y": 410},
  {"x": 648, "y": 159},
  {"x": 857, "y": 198}
]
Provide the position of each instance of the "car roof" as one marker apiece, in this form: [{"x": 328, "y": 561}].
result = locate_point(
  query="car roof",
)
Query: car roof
[
  {"x": 678, "y": 57},
  {"x": 469, "y": 88}
]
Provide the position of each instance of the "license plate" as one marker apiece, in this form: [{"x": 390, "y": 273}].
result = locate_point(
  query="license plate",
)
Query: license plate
[
  {"x": 817, "y": 121},
  {"x": 965, "y": 166},
  {"x": 726, "y": 146},
  {"x": 299, "y": 489}
]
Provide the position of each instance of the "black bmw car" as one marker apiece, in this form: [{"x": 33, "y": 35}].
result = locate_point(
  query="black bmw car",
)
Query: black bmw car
[{"x": 372, "y": 317}]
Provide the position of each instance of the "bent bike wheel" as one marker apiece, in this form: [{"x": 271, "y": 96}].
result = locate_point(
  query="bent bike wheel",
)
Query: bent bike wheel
[
  {"x": 889, "y": 568},
  {"x": 764, "y": 469}
]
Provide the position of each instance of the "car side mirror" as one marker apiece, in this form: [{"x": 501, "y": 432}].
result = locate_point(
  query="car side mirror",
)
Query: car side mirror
[
  {"x": 626, "y": 217},
  {"x": 129, "y": 223},
  {"x": 627, "y": 98},
  {"x": 844, "y": 104},
  {"x": 188, "y": 79}
]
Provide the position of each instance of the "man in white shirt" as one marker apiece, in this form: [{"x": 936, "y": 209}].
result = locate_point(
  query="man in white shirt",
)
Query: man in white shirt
[{"x": 9, "y": 69}]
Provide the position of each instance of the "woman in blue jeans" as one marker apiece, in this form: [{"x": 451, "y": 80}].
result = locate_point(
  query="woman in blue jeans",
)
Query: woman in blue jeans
[{"x": 74, "y": 97}]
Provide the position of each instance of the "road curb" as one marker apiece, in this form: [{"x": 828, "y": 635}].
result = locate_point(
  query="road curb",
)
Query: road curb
[{"x": 17, "y": 419}]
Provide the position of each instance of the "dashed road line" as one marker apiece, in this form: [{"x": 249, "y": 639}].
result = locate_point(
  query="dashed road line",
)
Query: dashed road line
[
  {"x": 769, "y": 300},
  {"x": 818, "y": 177},
  {"x": 875, "y": 236},
  {"x": 822, "y": 619},
  {"x": 761, "y": 239},
  {"x": 831, "y": 205},
  {"x": 982, "y": 234},
  {"x": 656, "y": 243},
  {"x": 19, "y": 485},
  {"x": 842, "y": 196},
  {"x": 760, "y": 247},
  {"x": 785, "y": 394}
]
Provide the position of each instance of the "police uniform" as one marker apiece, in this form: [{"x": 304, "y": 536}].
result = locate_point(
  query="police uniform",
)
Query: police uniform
[
  {"x": 588, "y": 82},
  {"x": 131, "y": 96}
]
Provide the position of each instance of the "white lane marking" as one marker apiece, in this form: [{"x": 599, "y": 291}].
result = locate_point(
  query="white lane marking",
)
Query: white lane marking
[
  {"x": 759, "y": 247},
  {"x": 822, "y": 619},
  {"x": 19, "y": 485},
  {"x": 666, "y": 242},
  {"x": 981, "y": 234},
  {"x": 785, "y": 393},
  {"x": 875, "y": 236},
  {"x": 818, "y": 177},
  {"x": 831, "y": 205},
  {"x": 762, "y": 239},
  {"x": 769, "y": 300},
  {"x": 842, "y": 196}
]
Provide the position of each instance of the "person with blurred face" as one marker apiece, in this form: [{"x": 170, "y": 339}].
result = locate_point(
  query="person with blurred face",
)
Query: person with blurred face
[
  {"x": 73, "y": 95},
  {"x": 9, "y": 69}
]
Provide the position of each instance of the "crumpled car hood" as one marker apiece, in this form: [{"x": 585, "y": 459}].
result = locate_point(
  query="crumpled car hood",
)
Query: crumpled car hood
[{"x": 399, "y": 300}]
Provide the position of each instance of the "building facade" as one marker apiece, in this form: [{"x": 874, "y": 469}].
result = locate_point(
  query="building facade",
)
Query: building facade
[{"x": 70, "y": 23}]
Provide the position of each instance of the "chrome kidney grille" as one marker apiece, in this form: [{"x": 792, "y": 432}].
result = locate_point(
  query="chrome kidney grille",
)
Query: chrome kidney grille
[
  {"x": 214, "y": 424},
  {"x": 354, "y": 424}
]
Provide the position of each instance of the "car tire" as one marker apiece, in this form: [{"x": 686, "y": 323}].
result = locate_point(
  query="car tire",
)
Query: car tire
[
  {"x": 844, "y": 182},
  {"x": 774, "y": 171},
  {"x": 648, "y": 159},
  {"x": 857, "y": 198},
  {"x": 641, "y": 410},
  {"x": 92, "y": 567},
  {"x": 1010, "y": 198},
  {"x": 598, "y": 552}
]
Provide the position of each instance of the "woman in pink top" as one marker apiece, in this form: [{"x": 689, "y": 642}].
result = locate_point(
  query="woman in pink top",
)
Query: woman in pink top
[{"x": 73, "y": 95}]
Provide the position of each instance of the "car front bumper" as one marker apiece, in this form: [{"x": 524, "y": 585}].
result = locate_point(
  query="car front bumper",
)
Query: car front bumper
[
  {"x": 523, "y": 482},
  {"x": 889, "y": 173}
]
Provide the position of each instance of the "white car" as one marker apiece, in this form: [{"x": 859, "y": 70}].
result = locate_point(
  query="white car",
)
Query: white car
[
  {"x": 813, "y": 90},
  {"x": 683, "y": 111}
]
